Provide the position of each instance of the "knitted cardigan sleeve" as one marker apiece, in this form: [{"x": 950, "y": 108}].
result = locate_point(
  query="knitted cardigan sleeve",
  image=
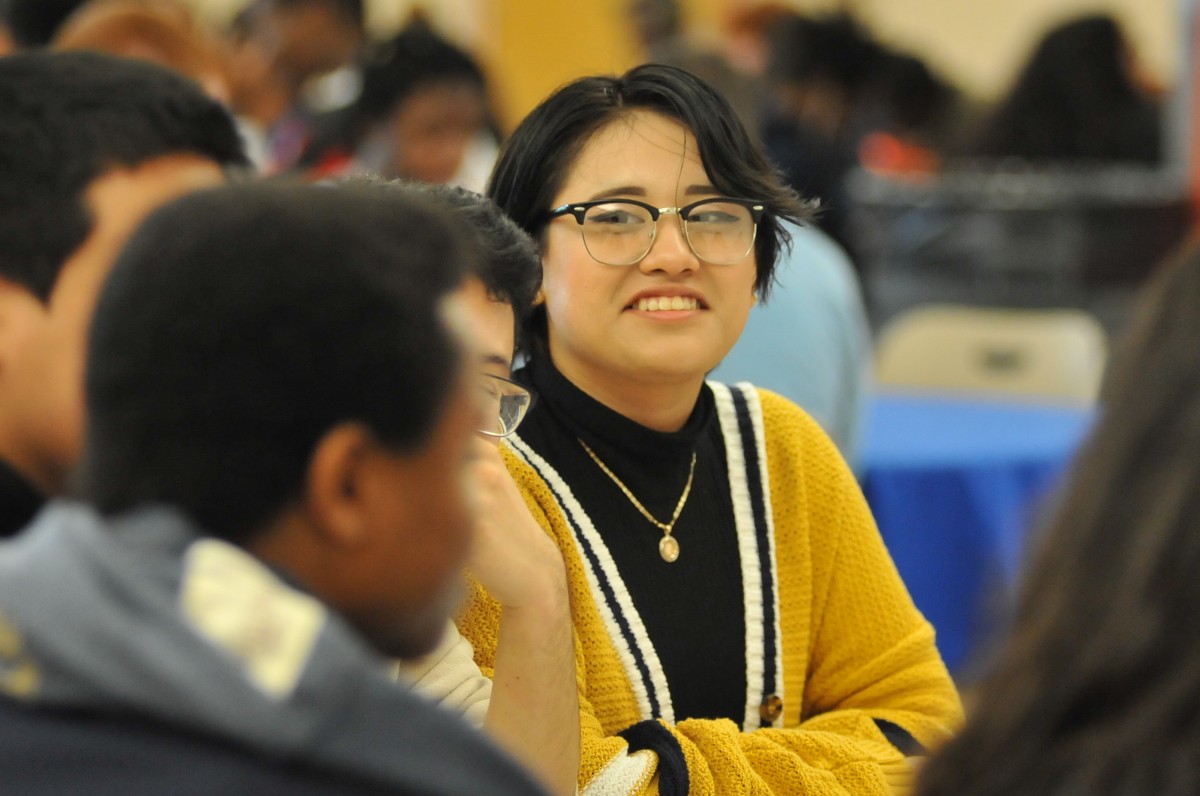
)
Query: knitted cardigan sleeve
[{"x": 857, "y": 655}]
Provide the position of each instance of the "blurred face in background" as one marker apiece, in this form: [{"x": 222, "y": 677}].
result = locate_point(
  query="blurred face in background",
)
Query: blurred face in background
[
  {"x": 309, "y": 40},
  {"x": 427, "y": 136}
]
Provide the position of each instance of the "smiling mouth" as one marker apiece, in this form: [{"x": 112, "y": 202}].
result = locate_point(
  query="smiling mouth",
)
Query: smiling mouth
[{"x": 665, "y": 303}]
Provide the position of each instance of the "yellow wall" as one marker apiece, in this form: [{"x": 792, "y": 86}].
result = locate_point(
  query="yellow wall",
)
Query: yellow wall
[{"x": 537, "y": 45}]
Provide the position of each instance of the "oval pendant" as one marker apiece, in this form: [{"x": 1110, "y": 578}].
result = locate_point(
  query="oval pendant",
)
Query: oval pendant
[{"x": 668, "y": 548}]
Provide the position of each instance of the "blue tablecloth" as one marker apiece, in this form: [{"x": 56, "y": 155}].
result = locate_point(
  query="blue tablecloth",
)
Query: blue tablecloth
[{"x": 955, "y": 485}]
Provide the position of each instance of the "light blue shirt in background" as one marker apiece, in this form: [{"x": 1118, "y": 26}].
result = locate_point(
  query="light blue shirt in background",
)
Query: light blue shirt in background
[{"x": 811, "y": 341}]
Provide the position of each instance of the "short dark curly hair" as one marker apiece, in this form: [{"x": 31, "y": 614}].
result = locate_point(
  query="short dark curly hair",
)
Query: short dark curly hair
[{"x": 241, "y": 324}]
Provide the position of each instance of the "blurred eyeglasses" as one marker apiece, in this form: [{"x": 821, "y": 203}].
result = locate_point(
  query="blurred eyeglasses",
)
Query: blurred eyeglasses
[
  {"x": 506, "y": 404},
  {"x": 621, "y": 231}
]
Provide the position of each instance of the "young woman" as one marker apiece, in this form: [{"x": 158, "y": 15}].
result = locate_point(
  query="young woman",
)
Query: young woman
[{"x": 740, "y": 627}]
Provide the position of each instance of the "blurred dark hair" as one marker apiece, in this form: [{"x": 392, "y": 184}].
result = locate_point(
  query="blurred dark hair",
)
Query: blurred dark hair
[
  {"x": 535, "y": 160},
  {"x": 1075, "y": 99},
  {"x": 67, "y": 119},
  {"x": 510, "y": 267},
  {"x": 241, "y": 324},
  {"x": 905, "y": 94},
  {"x": 33, "y": 23},
  {"x": 1095, "y": 689},
  {"x": 416, "y": 57},
  {"x": 835, "y": 49}
]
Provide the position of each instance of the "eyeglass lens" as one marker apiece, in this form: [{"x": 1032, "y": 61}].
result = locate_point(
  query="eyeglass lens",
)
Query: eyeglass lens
[
  {"x": 620, "y": 233},
  {"x": 507, "y": 402}
]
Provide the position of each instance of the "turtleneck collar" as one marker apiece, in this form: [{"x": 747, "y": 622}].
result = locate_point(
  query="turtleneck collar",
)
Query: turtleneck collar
[{"x": 602, "y": 427}]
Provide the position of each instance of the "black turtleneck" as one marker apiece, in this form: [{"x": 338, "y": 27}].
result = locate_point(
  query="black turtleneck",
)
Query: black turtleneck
[{"x": 693, "y": 608}]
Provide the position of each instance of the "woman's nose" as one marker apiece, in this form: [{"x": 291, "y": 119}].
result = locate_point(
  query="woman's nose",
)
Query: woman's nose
[{"x": 670, "y": 251}]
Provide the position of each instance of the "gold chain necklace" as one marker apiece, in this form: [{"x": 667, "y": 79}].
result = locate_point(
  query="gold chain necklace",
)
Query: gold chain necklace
[{"x": 668, "y": 546}]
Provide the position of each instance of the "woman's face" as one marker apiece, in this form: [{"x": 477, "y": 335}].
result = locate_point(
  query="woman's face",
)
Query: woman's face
[{"x": 603, "y": 336}]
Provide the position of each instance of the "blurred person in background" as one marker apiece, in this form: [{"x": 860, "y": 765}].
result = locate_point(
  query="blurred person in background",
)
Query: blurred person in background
[
  {"x": 816, "y": 69},
  {"x": 906, "y": 117},
  {"x": 1094, "y": 686},
  {"x": 423, "y": 114},
  {"x": 658, "y": 26},
  {"x": 810, "y": 341},
  {"x": 162, "y": 31},
  {"x": 1076, "y": 99},
  {"x": 278, "y": 49},
  {"x": 89, "y": 144}
]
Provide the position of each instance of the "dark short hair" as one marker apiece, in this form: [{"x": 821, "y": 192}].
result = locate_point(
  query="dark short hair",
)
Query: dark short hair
[
  {"x": 511, "y": 268},
  {"x": 834, "y": 49},
  {"x": 415, "y": 58},
  {"x": 534, "y": 162},
  {"x": 241, "y": 324},
  {"x": 69, "y": 118},
  {"x": 34, "y": 22}
]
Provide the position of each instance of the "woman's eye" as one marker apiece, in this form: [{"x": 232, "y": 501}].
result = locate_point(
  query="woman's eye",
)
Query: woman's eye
[
  {"x": 712, "y": 217},
  {"x": 617, "y": 215},
  {"x": 614, "y": 218}
]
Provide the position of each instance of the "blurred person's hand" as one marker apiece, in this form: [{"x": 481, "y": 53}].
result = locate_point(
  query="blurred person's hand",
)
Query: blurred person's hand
[{"x": 512, "y": 557}]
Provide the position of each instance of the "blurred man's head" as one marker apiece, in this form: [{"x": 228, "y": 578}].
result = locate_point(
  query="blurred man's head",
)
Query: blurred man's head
[
  {"x": 89, "y": 144},
  {"x": 290, "y": 368}
]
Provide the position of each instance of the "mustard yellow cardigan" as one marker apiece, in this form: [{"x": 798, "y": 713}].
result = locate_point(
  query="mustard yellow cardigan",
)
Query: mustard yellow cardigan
[{"x": 835, "y": 638}]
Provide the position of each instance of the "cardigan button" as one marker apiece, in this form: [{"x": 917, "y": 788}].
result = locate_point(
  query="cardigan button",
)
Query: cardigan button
[{"x": 771, "y": 708}]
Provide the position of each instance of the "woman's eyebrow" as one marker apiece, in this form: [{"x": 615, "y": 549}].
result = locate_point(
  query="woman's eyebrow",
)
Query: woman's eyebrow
[
  {"x": 636, "y": 190},
  {"x": 622, "y": 190}
]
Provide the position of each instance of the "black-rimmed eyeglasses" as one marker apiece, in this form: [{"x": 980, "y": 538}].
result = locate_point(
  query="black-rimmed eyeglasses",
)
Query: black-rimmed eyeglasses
[
  {"x": 621, "y": 231},
  {"x": 506, "y": 402}
]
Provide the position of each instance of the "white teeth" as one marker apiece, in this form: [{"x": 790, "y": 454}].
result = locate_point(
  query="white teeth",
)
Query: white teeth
[{"x": 667, "y": 303}]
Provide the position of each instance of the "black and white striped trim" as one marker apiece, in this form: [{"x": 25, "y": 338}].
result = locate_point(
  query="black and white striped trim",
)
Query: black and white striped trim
[
  {"x": 740, "y": 415},
  {"x": 621, "y": 619}
]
